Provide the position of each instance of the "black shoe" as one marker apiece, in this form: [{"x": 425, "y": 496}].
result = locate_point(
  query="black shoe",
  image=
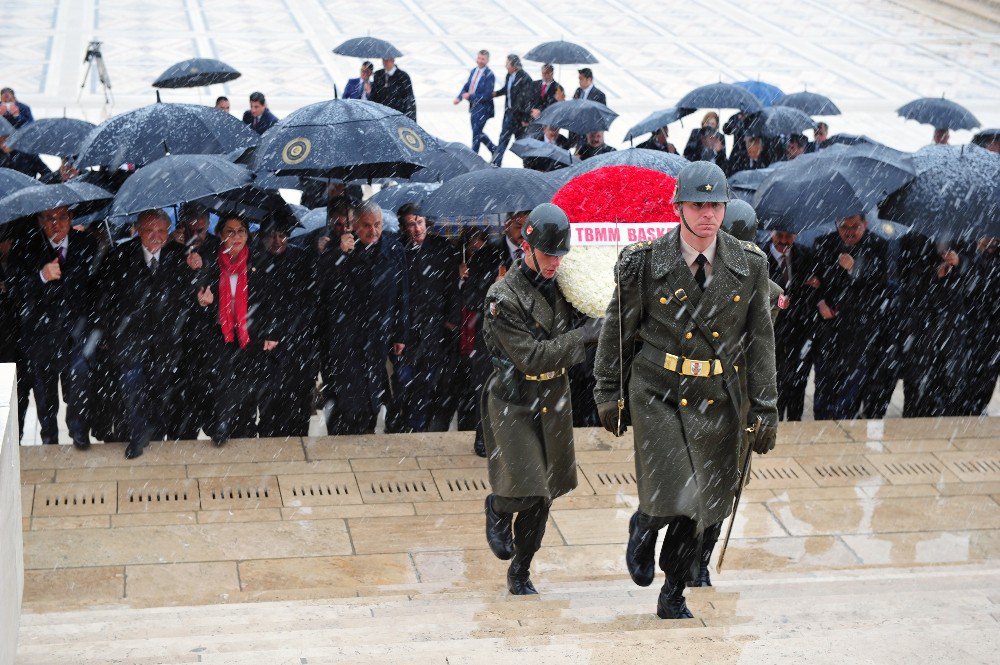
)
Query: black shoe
[
  {"x": 219, "y": 441},
  {"x": 498, "y": 532},
  {"x": 81, "y": 442},
  {"x": 704, "y": 579},
  {"x": 50, "y": 442},
  {"x": 134, "y": 450},
  {"x": 479, "y": 447},
  {"x": 640, "y": 553},
  {"x": 671, "y": 603},
  {"x": 519, "y": 582}
]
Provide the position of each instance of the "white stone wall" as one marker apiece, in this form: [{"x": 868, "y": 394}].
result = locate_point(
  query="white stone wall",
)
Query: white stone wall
[{"x": 11, "y": 542}]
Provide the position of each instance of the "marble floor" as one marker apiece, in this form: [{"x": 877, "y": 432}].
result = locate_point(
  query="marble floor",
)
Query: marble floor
[{"x": 881, "y": 525}]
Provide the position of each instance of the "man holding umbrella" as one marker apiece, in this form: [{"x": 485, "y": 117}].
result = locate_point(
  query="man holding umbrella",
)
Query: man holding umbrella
[
  {"x": 391, "y": 87},
  {"x": 696, "y": 305},
  {"x": 527, "y": 418}
]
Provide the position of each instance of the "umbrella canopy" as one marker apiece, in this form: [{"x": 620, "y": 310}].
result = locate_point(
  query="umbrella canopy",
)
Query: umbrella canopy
[
  {"x": 780, "y": 121},
  {"x": 751, "y": 179},
  {"x": 561, "y": 53},
  {"x": 6, "y": 129},
  {"x": 11, "y": 181},
  {"x": 884, "y": 229},
  {"x": 81, "y": 197},
  {"x": 849, "y": 139},
  {"x": 309, "y": 222},
  {"x": 497, "y": 191},
  {"x": 766, "y": 94},
  {"x": 577, "y": 115},
  {"x": 529, "y": 148},
  {"x": 453, "y": 159},
  {"x": 719, "y": 96},
  {"x": 986, "y": 137},
  {"x": 51, "y": 136},
  {"x": 368, "y": 47},
  {"x": 939, "y": 113},
  {"x": 348, "y": 139},
  {"x": 392, "y": 198},
  {"x": 956, "y": 193},
  {"x": 657, "y": 160},
  {"x": 178, "y": 179},
  {"x": 195, "y": 73},
  {"x": 809, "y": 103},
  {"x": 149, "y": 133},
  {"x": 656, "y": 121},
  {"x": 264, "y": 206}
]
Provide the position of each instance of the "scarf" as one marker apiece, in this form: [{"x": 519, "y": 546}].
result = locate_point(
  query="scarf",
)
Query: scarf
[{"x": 231, "y": 317}]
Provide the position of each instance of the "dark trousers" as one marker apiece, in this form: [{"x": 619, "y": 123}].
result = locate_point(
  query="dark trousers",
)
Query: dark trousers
[
  {"x": 472, "y": 372},
  {"x": 51, "y": 360},
  {"x": 236, "y": 391},
  {"x": 682, "y": 547},
  {"x": 144, "y": 387},
  {"x": 192, "y": 409},
  {"x": 478, "y": 136},
  {"x": 531, "y": 514},
  {"x": 794, "y": 361},
  {"x": 841, "y": 372},
  {"x": 511, "y": 128},
  {"x": 24, "y": 383},
  {"x": 339, "y": 423},
  {"x": 286, "y": 396}
]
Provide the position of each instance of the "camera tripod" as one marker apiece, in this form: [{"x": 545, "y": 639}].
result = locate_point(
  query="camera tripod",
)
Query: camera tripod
[{"x": 95, "y": 59}]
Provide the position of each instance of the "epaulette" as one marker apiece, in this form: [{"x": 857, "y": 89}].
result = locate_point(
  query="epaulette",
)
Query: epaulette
[
  {"x": 630, "y": 261},
  {"x": 752, "y": 248}
]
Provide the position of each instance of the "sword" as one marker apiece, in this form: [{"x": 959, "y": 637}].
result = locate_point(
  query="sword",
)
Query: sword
[{"x": 739, "y": 492}]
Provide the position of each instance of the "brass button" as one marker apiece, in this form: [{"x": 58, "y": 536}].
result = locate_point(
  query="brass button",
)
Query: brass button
[
  {"x": 684, "y": 402},
  {"x": 688, "y": 335},
  {"x": 663, "y": 301},
  {"x": 715, "y": 334},
  {"x": 736, "y": 298},
  {"x": 736, "y": 367},
  {"x": 545, "y": 409},
  {"x": 711, "y": 402}
]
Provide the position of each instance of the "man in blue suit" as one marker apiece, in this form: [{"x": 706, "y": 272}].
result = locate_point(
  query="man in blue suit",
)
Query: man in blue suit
[
  {"x": 361, "y": 87},
  {"x": 259, "y": 117},
  {"x": 478, "y": 91}
]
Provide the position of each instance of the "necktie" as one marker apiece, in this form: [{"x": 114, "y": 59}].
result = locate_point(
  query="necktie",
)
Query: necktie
[
  {"x": 545, "y": 86},
  {"x": 786, "y": 272},
  {"x": 700, "y": 275},
  {"x": 475, "y": 82},
  {"x": 518, "y": 254},
  {"x": 153, "y": 264},
  {"x": 62, "y": 254}
]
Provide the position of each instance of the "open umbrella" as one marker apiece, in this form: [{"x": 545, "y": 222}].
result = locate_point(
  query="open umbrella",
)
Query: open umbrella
[
  {"x": 940, "y": 113},
  {"x": 751, "y": 179},
  {"x": 11, "y": 181},
  {"x": 849, "y": 139},
  {"x": 368, "y": 47},
  {"x": 577, "y": 115},
  {"x": 82, "y": 198},
  {"x": 561, "y": 53},
  {"x": 884, "y": 229},
  {"x": 263, "y": 206},
  {"x": 149, "y": 133},
  {"x": 177, "y": 179},
  {"x": 51, "y": 136},
  {"x": 809, "y": 103},
  {"x": 956, "y": 193},
  {"x": 529, "y": 148},
  {"x": 453, "y": 159},
  {"x": 392, "y": 198},
  {"x": 987, "y": 136},
  {"x": 348, "y": 139},
  {"x": 497, "y": 191},
  {"x": 6, "y": 129},
  {"x": 656, "y": 121},
  {"x": 195, "y": 73},
  {"x": 766, "y": 94},
  {"x": 719, "y": 96},
  {"x": 657, "y": 160},
  {"x": 780, "y": 121}
]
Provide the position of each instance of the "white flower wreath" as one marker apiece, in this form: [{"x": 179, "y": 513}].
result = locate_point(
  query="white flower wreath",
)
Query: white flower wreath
[{"x": 586, "y": 278}]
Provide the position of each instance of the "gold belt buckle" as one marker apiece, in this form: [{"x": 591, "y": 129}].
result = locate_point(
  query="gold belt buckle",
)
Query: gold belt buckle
[
  {"x": 689, "y": 367},
  {"x": 545, "y": 376}
]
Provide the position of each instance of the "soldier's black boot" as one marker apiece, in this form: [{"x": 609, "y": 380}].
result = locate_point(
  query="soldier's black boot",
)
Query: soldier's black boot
[
  {"x": 498, "y": 531},
  {"x": 671, "y": 603},
  {"x": 640, "y": 551},
  {"x": 528, "y": 531},
  {"x": 710, "y": 538}
]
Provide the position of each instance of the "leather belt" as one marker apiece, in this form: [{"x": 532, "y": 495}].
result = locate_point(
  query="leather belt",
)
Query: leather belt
[
  {"x": 679, "y": 364},
  {"x": 546, "y": 375}
]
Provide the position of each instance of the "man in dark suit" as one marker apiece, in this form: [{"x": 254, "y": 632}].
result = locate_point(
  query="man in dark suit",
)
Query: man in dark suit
[
  {"x": 593, "y": 146},
  {"x": 29, "y": 165},
  {"x": 587, "y": 89},
  {"x": 144, "y": 303},
  {"x": 16, "y": 113},
  {"x": 363, "y": 319},
  {"x": 391, "y": 86},
  {"x": 360, "y": 87},
  {"x": 751, "y": 157},
  {"x": 659, "y": 141},
  {"x": 421, "y": 380},
  {"x": 52, "y": 283},
  {"x": 478, "y": 91},
  {"x": 544, "y": 91},
  {"x": 517, "y": 106},
  {"x": 851, "y": 270},
  {"x": 259, "y": 117},
  {"x": 820, "y": 134},
  {"x": 790, "y": 266}
]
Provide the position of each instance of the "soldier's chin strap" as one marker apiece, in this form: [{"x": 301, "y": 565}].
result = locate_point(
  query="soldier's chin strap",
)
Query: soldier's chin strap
[
  {"x": 538, "y": 266},
  {"x": 688, "y": 226}
]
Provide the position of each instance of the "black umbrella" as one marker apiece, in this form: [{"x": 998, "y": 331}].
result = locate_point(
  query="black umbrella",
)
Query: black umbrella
[
  {"x": 81, "y": 197},
  {"x": 849, "y": 139},
  {"x": 750, "y": 180},
  {"x": 309, "y": 222},
  {"x": 780, "y": 121},
  {"x": 195, "y": 73},
  {"x": 348, "y": 139},
  {"x": 657, "y": 160},
  {"x": 146, "y": 134},
  {"x": 884, "y": 229},
  {"x": 561, "y": 53},
  {"x": 956, "y": 193},
  {"x": 577, "y": 115},
  {"x": 489, "y": 192},
  {"x": 940, "y": 113},
  {"x": 11, "y": 181},
  {"x": 656, "y": 121},
  {"x": 51, "y": 136},
  {"x": 392, "y": 198},
  {"x": 810, "y": 103},
  {"x": 368, "y": 47},
  {"x": 529, "y": 148},
  {"x": 6, "y": 129},
  {"x": 719, "y": 96},
  {"x": 453, "y": 159},
  {"x": 986, "y": 137},
  {"x": 263, "y": 206},
  {"x": 177, "y": 179}
]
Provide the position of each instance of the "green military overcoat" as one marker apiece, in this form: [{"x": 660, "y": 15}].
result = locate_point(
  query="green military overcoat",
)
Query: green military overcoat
[
  {"x": 688, "y": 430},
  {"x": 528, "y": 425}
]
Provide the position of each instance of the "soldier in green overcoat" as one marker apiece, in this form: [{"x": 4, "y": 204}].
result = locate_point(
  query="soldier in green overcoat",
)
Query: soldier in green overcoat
[
  {"x": 526, "y": 409},
  {"x": 689, "y": 337}
]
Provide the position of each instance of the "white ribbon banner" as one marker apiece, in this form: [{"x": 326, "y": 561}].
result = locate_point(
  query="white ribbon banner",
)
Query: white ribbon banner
[{"x": 623, "y": 233}]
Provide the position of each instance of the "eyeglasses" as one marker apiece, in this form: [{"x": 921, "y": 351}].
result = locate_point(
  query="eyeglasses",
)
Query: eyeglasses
[{"x": 234, "y": 232}]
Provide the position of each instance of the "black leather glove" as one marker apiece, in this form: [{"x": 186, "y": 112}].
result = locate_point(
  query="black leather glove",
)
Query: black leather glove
[
  {"x": 591, "y": 330},
  {"x": 608, "y": 413},
  {"x": 764, "y": 438}
]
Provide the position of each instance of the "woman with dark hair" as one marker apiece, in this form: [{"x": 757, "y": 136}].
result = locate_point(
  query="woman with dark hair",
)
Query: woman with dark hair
[{"x": 244, "y": 310}]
